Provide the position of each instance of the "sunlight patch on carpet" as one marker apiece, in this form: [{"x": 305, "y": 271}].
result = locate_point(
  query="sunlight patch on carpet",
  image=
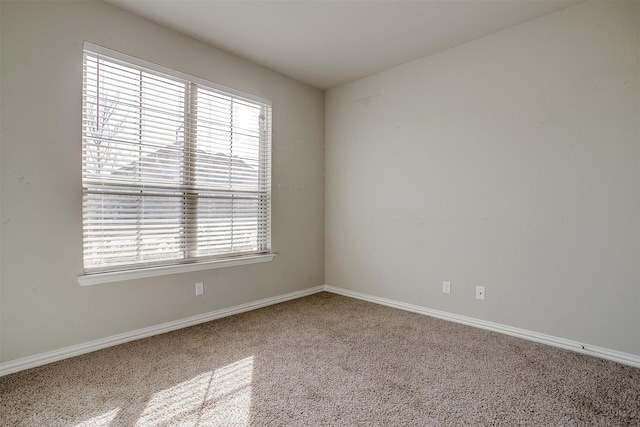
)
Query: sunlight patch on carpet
[
  {"x": 220, "y": 397},
  {"x": 229, "y": 399},
  {"x": 101, "y": 420}
]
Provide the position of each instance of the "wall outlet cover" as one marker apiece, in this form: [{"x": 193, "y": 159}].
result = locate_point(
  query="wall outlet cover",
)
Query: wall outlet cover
[{"x": 446, "y": 287}]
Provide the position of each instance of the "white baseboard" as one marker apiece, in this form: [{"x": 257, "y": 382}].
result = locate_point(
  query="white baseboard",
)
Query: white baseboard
[
  {"x": 76, "y": 350},
  {"x": 603, "y": 353}
]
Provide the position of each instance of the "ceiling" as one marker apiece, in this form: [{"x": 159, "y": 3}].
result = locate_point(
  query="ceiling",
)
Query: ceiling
[{"x": 327, "y": 43}]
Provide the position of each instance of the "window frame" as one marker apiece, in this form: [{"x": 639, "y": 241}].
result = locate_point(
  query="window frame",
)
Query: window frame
[{"x": 173, "y": 266}]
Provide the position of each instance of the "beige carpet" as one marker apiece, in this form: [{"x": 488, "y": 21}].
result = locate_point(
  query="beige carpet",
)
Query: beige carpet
[{"x": 325, "y": 360}]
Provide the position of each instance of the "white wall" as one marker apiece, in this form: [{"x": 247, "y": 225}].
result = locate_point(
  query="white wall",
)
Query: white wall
[
  {"x": 43, "y": 307},
  {"x": 511, "y": 162}
]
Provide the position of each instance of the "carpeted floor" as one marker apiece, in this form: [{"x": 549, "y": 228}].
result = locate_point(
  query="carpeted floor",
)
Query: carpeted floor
[{"x": 325, "y": 360}]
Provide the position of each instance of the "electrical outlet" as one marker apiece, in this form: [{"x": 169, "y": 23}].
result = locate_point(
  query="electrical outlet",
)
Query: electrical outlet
[
  {"x": 199, "y": 288},
  {"x": 480, "y": 292},
  {"x": 446, "y": 287}
]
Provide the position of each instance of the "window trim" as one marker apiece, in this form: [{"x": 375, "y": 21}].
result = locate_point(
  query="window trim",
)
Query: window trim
[
  {"x": 163, "y": 270},
  {"x": 142, "y": 271}
]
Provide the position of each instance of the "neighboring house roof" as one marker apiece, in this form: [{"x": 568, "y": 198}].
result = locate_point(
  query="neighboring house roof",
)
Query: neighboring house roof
[{"x": 225, "y": 170}]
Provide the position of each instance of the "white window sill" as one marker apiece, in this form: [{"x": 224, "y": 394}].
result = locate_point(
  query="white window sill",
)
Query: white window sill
[{"x": 118, "y": 276}]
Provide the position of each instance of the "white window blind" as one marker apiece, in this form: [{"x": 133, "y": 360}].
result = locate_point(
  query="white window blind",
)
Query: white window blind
[{"x": 175, "y": 170}]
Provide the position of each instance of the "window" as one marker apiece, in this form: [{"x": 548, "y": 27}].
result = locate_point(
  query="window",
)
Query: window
[{"x": 176, "y": 170}]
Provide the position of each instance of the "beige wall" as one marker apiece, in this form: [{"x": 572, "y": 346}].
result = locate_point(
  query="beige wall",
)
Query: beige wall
[
  {"x": 511, "y": 162},
  {"x": 43, "y": 306}
]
